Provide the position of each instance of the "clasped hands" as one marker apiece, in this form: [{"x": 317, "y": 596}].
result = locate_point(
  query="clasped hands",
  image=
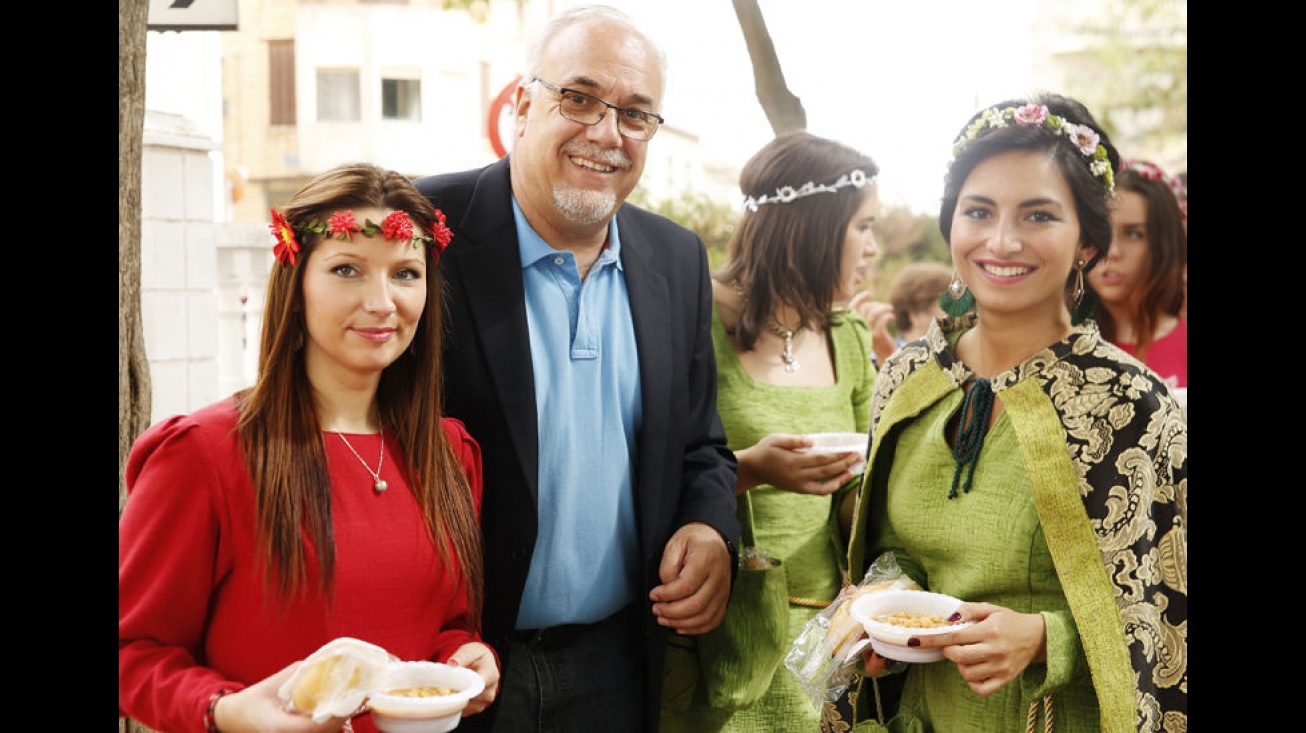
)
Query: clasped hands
[{"x": 695, "y": 573}]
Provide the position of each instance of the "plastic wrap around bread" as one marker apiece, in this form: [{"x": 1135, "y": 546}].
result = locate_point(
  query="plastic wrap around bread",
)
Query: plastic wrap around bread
[
  {"x": 845, "y": 631},
  {"x": 335, "y": 680},
  {"x": 824, "y": 657}
]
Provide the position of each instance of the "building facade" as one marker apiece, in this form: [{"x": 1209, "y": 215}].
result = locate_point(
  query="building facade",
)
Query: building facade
[{"x": 238, "y": 119}]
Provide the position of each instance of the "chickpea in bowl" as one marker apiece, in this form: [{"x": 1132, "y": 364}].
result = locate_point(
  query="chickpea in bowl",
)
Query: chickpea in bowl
[
  {"x": 423, "y": 697},
  {"x": 892, "y": 617}
]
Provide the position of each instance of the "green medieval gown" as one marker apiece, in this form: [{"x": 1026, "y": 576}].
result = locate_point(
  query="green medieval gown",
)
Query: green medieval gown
[{"x": 1078, "y": 510}]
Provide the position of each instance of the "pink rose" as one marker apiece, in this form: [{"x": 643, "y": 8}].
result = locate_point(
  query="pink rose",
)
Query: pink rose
[
  {"x": 1083, "y": 137},
  {"x": 1031, "y": 114}
]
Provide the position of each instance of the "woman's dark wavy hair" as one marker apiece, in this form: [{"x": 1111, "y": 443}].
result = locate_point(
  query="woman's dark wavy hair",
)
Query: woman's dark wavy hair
[
  {"x": 1092, "y": 200},
  {"x": 279, "y": 429},
  {"x": 792, "y": 253}
]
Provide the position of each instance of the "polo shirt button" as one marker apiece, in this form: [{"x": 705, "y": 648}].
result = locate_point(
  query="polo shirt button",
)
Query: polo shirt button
[{"x": 557, "y": 260}]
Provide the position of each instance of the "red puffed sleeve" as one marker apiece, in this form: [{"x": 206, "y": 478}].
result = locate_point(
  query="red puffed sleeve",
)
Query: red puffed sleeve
[{"x": 170, "y": 558}]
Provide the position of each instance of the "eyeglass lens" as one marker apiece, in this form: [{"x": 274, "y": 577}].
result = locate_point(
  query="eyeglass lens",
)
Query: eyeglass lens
[{"x": 588, "y": 110}]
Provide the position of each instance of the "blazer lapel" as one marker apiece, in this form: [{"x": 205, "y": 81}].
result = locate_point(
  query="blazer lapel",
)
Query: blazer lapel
[
  {"x": 650, "y": 311},
  {"x": 496, "y": 302}
]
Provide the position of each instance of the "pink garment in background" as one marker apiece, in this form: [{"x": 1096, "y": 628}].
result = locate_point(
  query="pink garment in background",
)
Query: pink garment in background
[{"x": 1168, "y": 355}]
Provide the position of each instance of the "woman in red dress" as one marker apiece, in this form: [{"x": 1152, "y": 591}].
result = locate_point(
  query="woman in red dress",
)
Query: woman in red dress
[{"x": 331, "y": 499}]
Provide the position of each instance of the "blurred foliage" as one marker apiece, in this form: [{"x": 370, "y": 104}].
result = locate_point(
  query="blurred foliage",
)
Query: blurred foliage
[
  {"x": 1133, "y": 73},
  {"x": 479, "y": 10},
  {"x": 902, "y": 235},
  {"x": 713, "y": 221}
]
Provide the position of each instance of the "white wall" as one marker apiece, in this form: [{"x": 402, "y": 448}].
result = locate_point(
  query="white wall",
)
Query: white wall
[
  {"x": 182, "y": 201},
  {"x": 178, "y": 296},
  {"x": 398, "y": 40}
]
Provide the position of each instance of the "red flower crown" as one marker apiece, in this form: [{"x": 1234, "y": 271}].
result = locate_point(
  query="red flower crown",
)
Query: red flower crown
[
  {"x": 1153, "y": 172},
  {"x": 397, "y": 226},
  {"x": 1146, "y": 169}
]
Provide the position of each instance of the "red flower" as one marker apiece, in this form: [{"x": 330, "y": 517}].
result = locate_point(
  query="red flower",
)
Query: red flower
[
  {"x": 397, "y": 226},
  {"x": 342, "y": 225},
  {"x": 286, "y": 246},
  {"x": 1150, "y": 171},
  {"x": 442, "y": 233}
]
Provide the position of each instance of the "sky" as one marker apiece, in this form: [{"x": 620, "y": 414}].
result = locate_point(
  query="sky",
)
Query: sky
[{"x": 896, "y": 79}]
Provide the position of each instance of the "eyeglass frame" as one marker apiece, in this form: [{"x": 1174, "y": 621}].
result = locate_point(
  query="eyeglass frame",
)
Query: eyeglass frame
[{"x": 643, "y": 114}]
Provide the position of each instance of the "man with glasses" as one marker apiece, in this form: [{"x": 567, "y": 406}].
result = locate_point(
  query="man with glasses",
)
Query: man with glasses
[{"x": 579, "y": 356}]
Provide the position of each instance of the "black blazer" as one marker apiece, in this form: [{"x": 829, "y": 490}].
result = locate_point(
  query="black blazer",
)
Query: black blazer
[{"x": 684, "y": 472}]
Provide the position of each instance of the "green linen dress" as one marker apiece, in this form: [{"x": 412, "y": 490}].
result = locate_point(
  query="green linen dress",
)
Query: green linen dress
[
  {"x": 796, "y": 528},
  {"x": 1007, "y": 563}
]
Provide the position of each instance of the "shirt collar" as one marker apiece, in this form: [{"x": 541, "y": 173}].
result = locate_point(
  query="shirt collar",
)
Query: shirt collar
[{"x": 533, "y": 248}]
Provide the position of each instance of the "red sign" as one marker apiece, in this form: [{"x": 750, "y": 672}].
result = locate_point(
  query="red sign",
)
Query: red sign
[{"x": 502, "y": 104}]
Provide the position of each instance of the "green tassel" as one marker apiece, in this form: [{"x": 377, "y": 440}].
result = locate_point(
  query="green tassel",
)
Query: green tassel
[
  {"x": 1084, "y": 309},
  {"x": 973, "y": 426},
  {"x": 956, "y": 306}
]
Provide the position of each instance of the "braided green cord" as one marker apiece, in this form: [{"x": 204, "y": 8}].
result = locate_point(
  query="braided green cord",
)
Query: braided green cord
[{"x": 975, "y": 411}]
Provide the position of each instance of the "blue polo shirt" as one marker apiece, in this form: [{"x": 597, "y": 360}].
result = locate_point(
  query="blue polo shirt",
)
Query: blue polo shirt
[{"x": 587, "y": 398}]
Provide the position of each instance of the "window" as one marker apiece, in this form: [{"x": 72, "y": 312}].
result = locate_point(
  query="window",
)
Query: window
[
  {"x": 401, "y": 99},
  {"x": 337, "y": 96},
  {"x": 281, "y": 81}
]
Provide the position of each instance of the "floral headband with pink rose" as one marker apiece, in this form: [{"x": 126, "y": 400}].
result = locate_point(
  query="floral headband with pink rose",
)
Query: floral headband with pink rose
[
  {"x": 1084, "y": 138},
  {"x": 397, "y": 226}
]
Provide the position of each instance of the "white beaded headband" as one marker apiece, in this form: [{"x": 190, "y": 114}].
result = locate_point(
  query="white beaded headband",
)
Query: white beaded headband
[{"x": 785, "y": 194}]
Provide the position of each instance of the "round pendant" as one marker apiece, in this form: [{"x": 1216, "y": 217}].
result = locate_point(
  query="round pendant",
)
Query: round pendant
[{"x": 380, "y": 486}]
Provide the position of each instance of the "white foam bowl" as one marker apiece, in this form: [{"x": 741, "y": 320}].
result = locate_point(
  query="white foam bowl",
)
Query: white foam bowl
[
  {"x": 890, "y": 640},
  {"x": 395, "y": 713},
  {"x": 839, "y": 443}
]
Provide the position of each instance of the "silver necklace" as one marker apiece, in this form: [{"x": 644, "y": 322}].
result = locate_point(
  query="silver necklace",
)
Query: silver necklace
[
  {"x": 787, "y": 356},
  {"x": 380, "y": 485}
]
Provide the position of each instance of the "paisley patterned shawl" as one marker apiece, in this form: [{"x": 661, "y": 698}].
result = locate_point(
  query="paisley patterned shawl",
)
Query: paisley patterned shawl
[{"x": 1106, "y": 446}]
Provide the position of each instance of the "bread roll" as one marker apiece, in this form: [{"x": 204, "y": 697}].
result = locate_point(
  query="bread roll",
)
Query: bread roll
[
  {"x": 335, "y": 680},
  {"x": 845, "y": 631}
]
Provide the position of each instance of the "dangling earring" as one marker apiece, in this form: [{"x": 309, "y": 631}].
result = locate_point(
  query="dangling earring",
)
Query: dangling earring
[
  {"x": 1078, "y": 295},
  {"x": 299, "y": 339},
  {"x": 957, "y": 299},
  {"x": 1084, "y": 300}
]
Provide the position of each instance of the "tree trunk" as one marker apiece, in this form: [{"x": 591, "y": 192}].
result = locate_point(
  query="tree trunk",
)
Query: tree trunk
[
  {"x": 783, "y": 110},
  {"x": 133, "y": 369}
]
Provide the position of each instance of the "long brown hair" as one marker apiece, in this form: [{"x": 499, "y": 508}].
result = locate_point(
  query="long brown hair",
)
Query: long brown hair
[
  {"x": 1167, "y": 253},
  {"x": 279, "y": 428}
]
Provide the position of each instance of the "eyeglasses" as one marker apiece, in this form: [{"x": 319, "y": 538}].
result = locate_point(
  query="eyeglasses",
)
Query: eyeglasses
[{"x": 588, "y": 109}]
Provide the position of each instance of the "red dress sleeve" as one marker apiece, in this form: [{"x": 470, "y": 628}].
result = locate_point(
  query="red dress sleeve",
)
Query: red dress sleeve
[
  {"x": 169, "y": 559},
  {"x": 469, "y": 453}
]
